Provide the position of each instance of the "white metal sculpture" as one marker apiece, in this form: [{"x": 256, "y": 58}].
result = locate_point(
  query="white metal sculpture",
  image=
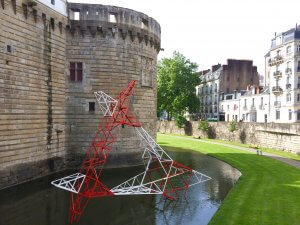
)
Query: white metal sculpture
[
  {"x": 165, "y": 166},
  {"x": 107, "y": 104},
  {"x": 70, "y": 183},
  {"x": 162, "y": 175}
]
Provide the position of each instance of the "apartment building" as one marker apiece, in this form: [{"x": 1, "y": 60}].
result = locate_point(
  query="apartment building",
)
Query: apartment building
[
  {"x": 251, "y": 105},
  {"x": 222, "y": 80},
  {"x": 282, "y": 64}
]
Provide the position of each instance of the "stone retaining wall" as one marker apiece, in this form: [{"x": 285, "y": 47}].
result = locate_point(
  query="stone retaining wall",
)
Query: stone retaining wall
[{"x": 271, "y": 135}]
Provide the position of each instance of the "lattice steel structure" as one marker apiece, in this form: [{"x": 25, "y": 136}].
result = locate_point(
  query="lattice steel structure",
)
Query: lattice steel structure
[{"x": 162, "y": 175}]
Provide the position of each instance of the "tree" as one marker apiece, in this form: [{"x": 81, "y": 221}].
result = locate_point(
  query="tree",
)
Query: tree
[{"x": 177, "y": 79}]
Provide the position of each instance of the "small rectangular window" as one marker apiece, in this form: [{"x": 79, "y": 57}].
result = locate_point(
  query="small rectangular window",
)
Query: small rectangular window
[
  {"x": 112, "y": 18},
  {"x": 288, "y": 97},
  {"x": 91, "y": 106},
  {"x": 76, "y": 71},
  {"x": 277, "y": 114},
  {"x": 298, "y": 115},
  {"x": 77, "y": 15},
  {"x": 8, "y": 48},
  {"x": 53, "y": 2},
  {"x": 290, "y": 114}
]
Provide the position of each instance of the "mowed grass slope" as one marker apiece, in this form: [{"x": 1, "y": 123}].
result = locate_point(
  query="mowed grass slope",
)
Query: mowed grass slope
[{"x": 267, "y": 193}]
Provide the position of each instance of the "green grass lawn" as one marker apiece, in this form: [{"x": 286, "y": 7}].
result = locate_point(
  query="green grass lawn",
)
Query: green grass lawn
[
  {"x": 267, "y": 193},
  {"x": 273, "y": 151}
]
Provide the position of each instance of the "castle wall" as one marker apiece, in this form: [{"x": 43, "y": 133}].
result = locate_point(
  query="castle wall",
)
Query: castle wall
[
  {"x": 46, "y": 121},
  {"x": 114, "y": 45},
  {"x": 32, "y": 91}
]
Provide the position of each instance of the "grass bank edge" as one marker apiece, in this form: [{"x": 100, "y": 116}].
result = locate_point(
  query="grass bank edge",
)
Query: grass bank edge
[{"x": 263, "y": 149}]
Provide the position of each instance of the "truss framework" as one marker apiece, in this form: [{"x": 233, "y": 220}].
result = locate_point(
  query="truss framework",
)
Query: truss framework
[
  {"x": 107, "y": 104},
  {"x": 162, "y": 175},
  {"x": 70, "y": 183}
]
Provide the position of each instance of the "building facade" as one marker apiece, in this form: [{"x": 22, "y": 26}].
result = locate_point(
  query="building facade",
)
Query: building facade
[
  {"x": 54, "y": 55},
  {"x": 283, "y": 76},
  {"x": 221, "y": 80},
  {"x": 251, "y": 105}
]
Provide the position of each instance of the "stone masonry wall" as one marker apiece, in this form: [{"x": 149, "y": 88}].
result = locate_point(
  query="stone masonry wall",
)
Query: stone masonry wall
[
  {"x": 32, "y": 91},
  {"x": 112, "y": 54},
  {"x": 271, "y": 135}
]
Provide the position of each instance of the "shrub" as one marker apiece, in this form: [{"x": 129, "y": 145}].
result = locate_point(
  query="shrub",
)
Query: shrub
[
  {"x": 204, "y": 126},
  {"x": 181, "y": 121},
  {"x": 232, "y": 126}
]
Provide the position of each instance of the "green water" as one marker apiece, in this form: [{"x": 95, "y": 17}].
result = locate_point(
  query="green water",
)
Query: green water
[{"x": 39, "y": 203}]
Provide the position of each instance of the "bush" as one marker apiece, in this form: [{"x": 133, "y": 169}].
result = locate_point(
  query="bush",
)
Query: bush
[
  {"x": 181, "y": 121},
  {"x": 204, "y": 126},
  {"x": 232, "y": 126},
  {"x": 208, "y": 129}
]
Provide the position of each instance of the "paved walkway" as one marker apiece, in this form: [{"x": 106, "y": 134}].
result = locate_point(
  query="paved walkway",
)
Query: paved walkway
[{"x": 277, "y": 157}]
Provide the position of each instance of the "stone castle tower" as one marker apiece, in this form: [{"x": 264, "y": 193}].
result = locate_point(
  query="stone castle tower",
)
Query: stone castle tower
[{"x": 53, "y": 58}]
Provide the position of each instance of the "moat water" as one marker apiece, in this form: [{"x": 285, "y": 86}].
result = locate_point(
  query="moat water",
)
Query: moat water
[{"x": 39, "y": 203}]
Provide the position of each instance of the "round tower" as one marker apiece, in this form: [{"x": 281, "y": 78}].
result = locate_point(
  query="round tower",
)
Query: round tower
[{"x": 107, "y": 47}]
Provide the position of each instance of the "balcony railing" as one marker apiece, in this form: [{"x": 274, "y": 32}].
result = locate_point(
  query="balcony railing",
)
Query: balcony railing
[
  {"x": 261, "y": 107},
  {"x": 253, "y": 107},
  {"x": 288, "y": 86},
  {"x": 277, "y": 104},
  {"x": 277, "y": 90},
  {"x": 245, "y": 108},
  {"x": 288, "y": 70},
  {"x": 277, "y": 74},
  {"x": 276, "y": 60}
]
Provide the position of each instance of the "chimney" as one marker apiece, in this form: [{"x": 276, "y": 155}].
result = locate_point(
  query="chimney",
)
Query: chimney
[{"x": 257, "y": 90}]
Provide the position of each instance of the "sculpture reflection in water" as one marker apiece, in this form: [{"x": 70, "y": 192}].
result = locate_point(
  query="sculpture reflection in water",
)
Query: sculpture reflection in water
[{"x": 162, "y": 175}]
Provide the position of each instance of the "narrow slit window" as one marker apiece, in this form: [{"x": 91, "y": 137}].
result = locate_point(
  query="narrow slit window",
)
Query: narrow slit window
[{"x": 52, "y": 22}]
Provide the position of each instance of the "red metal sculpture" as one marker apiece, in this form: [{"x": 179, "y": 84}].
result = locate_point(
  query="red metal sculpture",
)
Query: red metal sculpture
[{"x": 162, "y": 175}]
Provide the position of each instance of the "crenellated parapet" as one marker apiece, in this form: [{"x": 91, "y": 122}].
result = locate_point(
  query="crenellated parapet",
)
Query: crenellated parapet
[{"x": 119, "y": 22}]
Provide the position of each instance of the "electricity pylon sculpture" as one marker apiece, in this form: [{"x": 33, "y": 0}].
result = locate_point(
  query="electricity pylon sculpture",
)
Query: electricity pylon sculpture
[{"x": 162, "y": 175}]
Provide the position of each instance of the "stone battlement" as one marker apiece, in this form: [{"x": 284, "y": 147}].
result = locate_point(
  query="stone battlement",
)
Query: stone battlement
[{"x": 101, "y": 19}]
